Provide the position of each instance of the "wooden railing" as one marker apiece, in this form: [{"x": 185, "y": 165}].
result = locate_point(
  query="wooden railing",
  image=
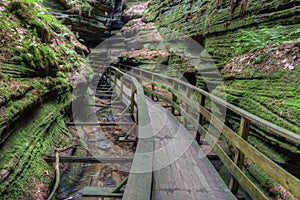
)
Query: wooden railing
[
  {"x": 196, "y": 104},
  {"x": 139, "y": 184}
]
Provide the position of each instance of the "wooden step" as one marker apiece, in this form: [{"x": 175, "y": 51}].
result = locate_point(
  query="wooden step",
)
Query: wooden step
[
  {"x": 107, "y": 106},
  {"x": 100, "y": 92},
  {"x": 85, "y": 159},
  {"x": 99, "y": 123},
  {"x": 99, "y": 192},
  {"x": 104, "y": 95},
  {"x": 126, "y": 139}
]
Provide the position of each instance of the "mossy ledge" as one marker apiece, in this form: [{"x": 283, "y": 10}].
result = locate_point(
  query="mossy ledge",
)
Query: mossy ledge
[{"x": 39, "y": 58}]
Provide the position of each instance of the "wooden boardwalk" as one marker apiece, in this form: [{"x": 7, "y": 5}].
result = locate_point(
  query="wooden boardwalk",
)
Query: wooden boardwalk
[
  {"x": 181, "y": 170},
  {"x": 168, "y": 162}
]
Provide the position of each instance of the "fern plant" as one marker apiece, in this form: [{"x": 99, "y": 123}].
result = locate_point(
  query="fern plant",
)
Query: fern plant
[{"x": 256, "y": 39}]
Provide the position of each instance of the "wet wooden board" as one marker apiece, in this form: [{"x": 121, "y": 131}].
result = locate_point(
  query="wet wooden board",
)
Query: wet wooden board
[
  {"x": 99, "y": 123},
  {"x": 85, "y": 159},
  {"x": 99, "y": 192}
]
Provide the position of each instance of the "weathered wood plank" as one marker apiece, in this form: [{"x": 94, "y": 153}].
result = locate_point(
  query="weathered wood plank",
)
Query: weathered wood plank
[
  {"x": 108, "y": 106},
  {"x": 120, "y": 185},
  {"x": 99, "y": 123},
  {"x": 239, "y": 156},
  {"x": 99, "y": 192},
  {"x": 87, "y": 159},
  {"x": 202, "y": 103}
]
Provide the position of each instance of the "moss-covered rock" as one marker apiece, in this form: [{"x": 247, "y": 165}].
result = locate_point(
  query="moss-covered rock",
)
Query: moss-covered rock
[
  {"x": 38, "y": 57},
  {"x": 89, "y": 19},
  {"x": 216, "y": 26}
]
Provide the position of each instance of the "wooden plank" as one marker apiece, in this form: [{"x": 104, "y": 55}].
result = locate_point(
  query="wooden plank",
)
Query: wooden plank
[
  {"x": 121, "y": 87},
  {"x": 99, "y": 192},
  {"x": 73, "y": 159},
  {"x": 110, "y": 73},
  {"x": 138, "y": 188},
  {"x": 109, "y": 106},
  {"x": 132, "y": 102},
  {"x": 115, "y": 77},
  {"x": 104, "y": 96},
  {"x": 202, "y": 103},
  {"x": 239, "y": 156},
  {"x": 120, "y": 185},
  {"x": 173, "y": 194},
  {"x": 153, "y": 89},
  {"x": 126, "y": 139},
  {"x": 150, "y": 92},
  {"x": 100, "y": 91},
  {"x": 188, "y": 94},
  {"x": 163, "y": 179},
  {"x": 174, "y": 98},
  {"x": 99, "y": 123}
]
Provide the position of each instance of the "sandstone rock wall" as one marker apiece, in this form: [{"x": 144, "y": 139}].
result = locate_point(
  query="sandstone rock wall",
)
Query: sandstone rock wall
[
  {"x": 90, "y": 20},
  {"x": 38, "y": 58},
  {"x": 216, "y": 25},
  {"x": 255, "y": 46}
]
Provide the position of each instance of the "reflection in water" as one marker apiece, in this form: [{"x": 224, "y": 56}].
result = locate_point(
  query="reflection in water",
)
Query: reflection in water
[{"x": 103, "y": 142}]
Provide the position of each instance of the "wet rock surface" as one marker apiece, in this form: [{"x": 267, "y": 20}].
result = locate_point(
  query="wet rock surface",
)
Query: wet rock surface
[{"x": 89, "y": 20}]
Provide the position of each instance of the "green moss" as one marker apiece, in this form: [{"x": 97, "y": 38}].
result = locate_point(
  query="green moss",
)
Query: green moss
[
  {"x": 33, "y": 69},
  {"x": 23, "y": 151}
]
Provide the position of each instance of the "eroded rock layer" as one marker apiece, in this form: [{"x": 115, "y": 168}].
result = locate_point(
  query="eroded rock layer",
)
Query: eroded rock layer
[
  {"x": 253, "y": 44},
  {"x": 39, "y": 58}
]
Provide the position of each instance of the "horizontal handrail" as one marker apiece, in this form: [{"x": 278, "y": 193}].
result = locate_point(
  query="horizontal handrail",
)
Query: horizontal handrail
[
  {"x": 245, "y": 149},
  {"x": 253, "y": 118}
]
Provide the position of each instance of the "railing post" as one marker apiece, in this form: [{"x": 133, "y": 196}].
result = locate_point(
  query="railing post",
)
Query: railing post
[
  {"x": 239, "y": 156},
  {"x": 188, "y": 94},
  {"x": 121, "y": 88},
  {"x": 137, "y": 123},
  {"x": 132, "y": 99},
  {"x": 152, "y": 87},
  {"x": 174, "y": 98},
  {"x": 115, "y": 78},
  {"x": 202, "y": 103},
  {"x": 141, "y": 80},
  {"x": 109, "y": 74}
]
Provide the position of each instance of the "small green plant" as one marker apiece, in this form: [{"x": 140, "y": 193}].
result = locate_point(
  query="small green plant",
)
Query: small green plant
[
  {"x": 46, "y": 17},
  {"x": 32, "y": 1},
  {"x": 256, "y": 39}
]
